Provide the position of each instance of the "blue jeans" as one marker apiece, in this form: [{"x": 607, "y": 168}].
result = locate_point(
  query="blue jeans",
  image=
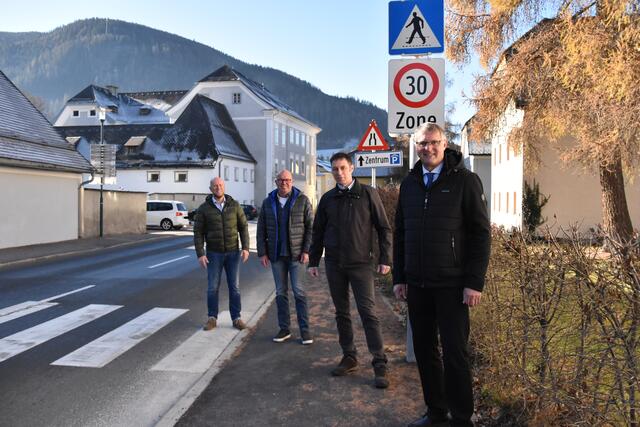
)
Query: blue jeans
[
  {"x": 231, "y": 263},
  {"x": 282, "y": 269}
]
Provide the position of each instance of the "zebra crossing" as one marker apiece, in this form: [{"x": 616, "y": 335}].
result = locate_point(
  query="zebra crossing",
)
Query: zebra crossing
[{"x": 195, "y": 355}]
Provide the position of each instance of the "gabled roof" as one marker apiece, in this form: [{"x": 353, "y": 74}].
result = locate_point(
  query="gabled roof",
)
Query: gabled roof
[
  {"x": 125, "y": 108},
  {"x": 27, "y": 138},
  {"x": 475, "y": 148},
  {"x": 160, "y": 99},
  {"x": 226, "y": 73},
  {"x": 202, "y": 133}
]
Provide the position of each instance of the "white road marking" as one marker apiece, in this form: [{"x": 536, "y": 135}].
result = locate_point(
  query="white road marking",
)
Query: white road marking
[
  {"x": 167, "y": 262},
  {"x": 103, "y": 350},
  {"x": 22, "y": 309},
  {"x": 29, "y": 338},
  {"x": 199, "y": 351},
  {"x": 191, "y": 247},
  {"x": 67, "y": 293},
  {"x": 28, "y": 307}
]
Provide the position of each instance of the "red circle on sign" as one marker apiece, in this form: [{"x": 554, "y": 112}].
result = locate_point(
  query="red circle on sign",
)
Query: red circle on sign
[{"x": 432, "y": 94}]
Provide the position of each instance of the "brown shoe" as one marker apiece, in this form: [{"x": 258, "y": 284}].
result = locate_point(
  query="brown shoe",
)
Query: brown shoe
[
  {"x": 239, "y": 324},
  {"x": 211, "y": 323},
  {"x": 347, "y": 365}
]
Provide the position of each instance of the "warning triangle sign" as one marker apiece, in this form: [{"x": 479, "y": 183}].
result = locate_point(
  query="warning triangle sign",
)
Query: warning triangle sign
[
  {"x": 372, "y": 139},
  {"x": 416, "y": 32}
]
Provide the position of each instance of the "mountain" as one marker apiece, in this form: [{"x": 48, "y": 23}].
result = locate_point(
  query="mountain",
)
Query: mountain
[{"x": 56, "y": 65}]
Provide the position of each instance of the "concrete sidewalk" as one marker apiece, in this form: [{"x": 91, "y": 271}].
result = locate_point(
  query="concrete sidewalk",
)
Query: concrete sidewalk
[{"x": 288, "y": 384}]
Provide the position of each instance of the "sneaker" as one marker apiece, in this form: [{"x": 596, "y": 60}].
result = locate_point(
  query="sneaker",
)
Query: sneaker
[
  {"x": 282, "y": 335},
  {"x": 380, "y": 380},
  {"x": 347, "y": 365},
  {"x": 239, "y": 324},
  {"x": 212, "y": 322},
  {"x": 305, "y": 337}
]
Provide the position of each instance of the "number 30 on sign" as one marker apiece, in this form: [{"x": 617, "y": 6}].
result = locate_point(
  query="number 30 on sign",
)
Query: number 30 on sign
[{"x": 416, "y": 93}]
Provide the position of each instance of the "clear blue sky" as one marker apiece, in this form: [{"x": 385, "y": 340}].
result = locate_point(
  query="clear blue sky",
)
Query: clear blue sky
[{"x": 339, "y": 46}]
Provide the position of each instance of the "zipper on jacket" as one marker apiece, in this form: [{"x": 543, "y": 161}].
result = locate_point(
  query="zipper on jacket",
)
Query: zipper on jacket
[{"x": 453, "y": 249}]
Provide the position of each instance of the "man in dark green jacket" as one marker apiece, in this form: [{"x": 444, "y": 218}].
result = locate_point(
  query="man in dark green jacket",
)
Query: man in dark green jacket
[
  {"x": 218, "y": 221},
  {"x": 284, "y": 238}
]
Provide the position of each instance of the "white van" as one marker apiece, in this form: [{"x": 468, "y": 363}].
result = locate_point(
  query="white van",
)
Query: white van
[{"x": 166, "y": 214}]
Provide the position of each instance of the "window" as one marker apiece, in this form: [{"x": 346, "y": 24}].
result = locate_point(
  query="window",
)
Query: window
[
  {"x": 275, "y": 168},
  {"x": 180, "y": 176},
  {"x": 226, "y": 173},
  {"x": 302, "y": 167},
  {"x": 307, "y": 173},
  {"x": 244, "y": 174},
  {"x": 514, "y": 202},
  {"x": 507, "y": 149},
  {"x": 236, "y": 173},
  {"x": 236, "y": 98},
  {"x": 499, "y": 200},
  {"x": 276, "y": 134},
  {"x": 507, "y": 202},
  {"x": 76, "y": 113},
  {"x": 253, "y": 176},
  {"x": 162, "y": 206},
  {"x": 291, "y": 136},
  {"x": 304, "y": 140},
  {"x": 92, "y": 113},
  {"x": 153, "y": 176},
  {"x": 283, "y": 135},
  {"x": 500, "y": 154}
]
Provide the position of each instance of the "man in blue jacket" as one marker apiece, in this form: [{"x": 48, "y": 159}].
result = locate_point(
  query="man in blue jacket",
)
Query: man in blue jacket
[
  {"x": 283, "y": 238},
  {"x": 441, "y": 252}
]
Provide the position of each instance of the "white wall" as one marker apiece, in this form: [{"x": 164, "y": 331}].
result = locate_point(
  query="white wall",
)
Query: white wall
[
  {"x": 197, "y": 180},
  {"x": 507, "y": 171},
  {"x": 481, "y": 165},
  {"x": 40, "y": 206}
]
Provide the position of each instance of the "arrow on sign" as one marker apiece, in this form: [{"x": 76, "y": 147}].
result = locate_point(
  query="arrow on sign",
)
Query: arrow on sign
[{"x": 360, "y": 160}]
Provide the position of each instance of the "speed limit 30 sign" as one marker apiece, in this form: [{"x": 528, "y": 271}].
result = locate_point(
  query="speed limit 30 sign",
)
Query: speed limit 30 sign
[{"x": 416, "y": 93}]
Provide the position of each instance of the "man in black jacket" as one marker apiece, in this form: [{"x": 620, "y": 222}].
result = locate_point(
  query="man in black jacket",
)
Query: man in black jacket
[
  {"x": 441, "y": 253},
  {"x": 284, "y": 238},
  {"x": 343, "y": 227}
]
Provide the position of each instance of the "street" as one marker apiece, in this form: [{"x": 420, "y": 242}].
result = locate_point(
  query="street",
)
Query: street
[{"x": 114, "y": 337}]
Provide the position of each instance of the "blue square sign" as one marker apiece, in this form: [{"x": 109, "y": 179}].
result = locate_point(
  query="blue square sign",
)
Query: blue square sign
[
  {"x": 395, "y": 159},
  {"x": 416, "y": 27}
]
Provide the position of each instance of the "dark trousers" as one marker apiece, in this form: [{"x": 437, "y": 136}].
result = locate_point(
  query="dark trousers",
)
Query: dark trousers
[
  {"x": 445, "y": 386},
  {"x": 361, "y": 280}
]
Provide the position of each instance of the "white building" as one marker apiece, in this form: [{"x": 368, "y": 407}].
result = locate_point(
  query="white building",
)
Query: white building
[
  {"x": 40, "y": 175},
  {"x": 173, "y": 159},
  {"x": 277, "y": 136},
  {"x": 477, "y": 158}
]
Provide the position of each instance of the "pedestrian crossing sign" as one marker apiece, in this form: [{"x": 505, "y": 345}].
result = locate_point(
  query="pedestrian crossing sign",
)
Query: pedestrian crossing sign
[{"x": 416, "y": 27}]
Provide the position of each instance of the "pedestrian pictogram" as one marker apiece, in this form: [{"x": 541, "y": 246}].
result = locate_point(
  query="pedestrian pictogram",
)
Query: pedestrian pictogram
[
  {"x": 416, "y": 27},
  {"x": 416, "y": 93},
  {"x": 372, "y": 139}
]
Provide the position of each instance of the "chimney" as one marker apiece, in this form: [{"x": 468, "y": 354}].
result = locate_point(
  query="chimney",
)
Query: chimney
[{"x": 113, "y": 89}]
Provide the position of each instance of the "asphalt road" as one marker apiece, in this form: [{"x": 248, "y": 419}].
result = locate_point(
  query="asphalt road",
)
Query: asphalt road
[{"x": 114, "y": 337}]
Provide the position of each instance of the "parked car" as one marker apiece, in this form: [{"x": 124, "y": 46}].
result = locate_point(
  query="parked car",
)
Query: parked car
[
  {"x": 250, "y": 211},
  {"x": 166, "y": 214}
]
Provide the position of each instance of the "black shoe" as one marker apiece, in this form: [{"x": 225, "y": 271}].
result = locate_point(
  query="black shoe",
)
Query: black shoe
[
  {"x": 282, "y": 336},
  {"x": 426, "y": 421},
  {"x": 380, "y": 380},
  {"x": 306, "y": 338},
  {"x": 347, "y": 365}
]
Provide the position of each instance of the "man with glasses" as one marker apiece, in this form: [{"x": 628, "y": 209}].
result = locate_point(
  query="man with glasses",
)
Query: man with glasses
[
  {"x": 346, "y": 218},
  {"x": 441, "y": 253},
  {"x": 283, "y": 238}
]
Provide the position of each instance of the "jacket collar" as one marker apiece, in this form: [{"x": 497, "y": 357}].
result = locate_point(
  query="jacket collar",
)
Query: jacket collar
[{"x": 453, "y": 162}]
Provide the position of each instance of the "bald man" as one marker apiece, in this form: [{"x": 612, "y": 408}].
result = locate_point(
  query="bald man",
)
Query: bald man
[{"x": 218, "y": 222}]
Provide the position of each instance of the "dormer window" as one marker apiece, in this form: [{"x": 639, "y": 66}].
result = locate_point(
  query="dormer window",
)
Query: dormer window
[
  {"x": 92, "y": 113},
  {"x": 145, "y": 111},
  {"x": 113, "y": 109},
  {"x": 236, "y": 98},
  {"x": 76, "y": 113}
]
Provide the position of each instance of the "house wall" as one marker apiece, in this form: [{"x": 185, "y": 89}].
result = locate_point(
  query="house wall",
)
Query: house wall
[
  {"x": 575, "y": 194},
  {"x": 123, "y": 212},
  {"x": 197, "y": 181},
  {"x": 481, "y": 165},
  {"x": 43, "y": 206},
  {"x": 506, "y": 174}
]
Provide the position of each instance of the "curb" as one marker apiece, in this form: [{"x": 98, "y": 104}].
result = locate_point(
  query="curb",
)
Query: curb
[
  {"x": 84, "y": 251},
  {"x": 182, "y": 405}
]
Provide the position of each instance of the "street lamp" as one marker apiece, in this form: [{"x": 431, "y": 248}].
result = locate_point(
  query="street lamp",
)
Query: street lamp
[{"x": 102, "y": 115}]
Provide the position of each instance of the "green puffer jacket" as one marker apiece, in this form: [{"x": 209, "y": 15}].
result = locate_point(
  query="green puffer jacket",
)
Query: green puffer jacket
[{"x": 220, "y": 229}]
